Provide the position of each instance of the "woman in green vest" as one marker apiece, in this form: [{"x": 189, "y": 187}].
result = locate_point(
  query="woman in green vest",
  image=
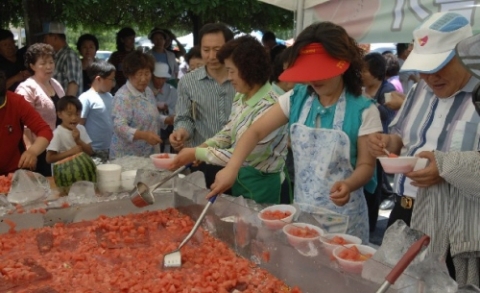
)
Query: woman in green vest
[
  {"x": 261, "y": 175},
  {"x": 329, "y": 124}
]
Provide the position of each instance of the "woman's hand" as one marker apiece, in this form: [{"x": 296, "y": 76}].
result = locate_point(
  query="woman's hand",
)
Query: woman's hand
[
  {"x": 186, "y": 156},
  {"x": 224, "y": 179},
  {"x": 377, "y": 142},
  {"x": 151, "y": 138},
  {"x": 340, "y": 193}
]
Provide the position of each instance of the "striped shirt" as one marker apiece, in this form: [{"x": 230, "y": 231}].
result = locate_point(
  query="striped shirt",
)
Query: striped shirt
[
  {"x": 269, "y": 154},
  {"x": 203, "y": 105},
  {"x": 68, "y": 68},
  {"x": 426, "y": 122},
  {"x": 450, "y": 213}
]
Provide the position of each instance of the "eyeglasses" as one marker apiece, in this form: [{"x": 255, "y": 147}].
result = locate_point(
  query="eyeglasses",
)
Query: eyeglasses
[
  {"x": 476, "y": 98},
  {"x": 112, "y": 80}
]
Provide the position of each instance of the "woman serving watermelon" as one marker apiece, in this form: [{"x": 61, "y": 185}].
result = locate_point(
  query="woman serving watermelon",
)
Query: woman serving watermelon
[{"x": 329, "y": 124}]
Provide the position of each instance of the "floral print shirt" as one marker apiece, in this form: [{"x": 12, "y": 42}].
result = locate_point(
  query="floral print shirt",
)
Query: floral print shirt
[{"x": 132, "y": 111}]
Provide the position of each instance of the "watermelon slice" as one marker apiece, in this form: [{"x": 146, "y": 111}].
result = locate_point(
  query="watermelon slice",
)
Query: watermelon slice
[{"x": 79, "y": 167}]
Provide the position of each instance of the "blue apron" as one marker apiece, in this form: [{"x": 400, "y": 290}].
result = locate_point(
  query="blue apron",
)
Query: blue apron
[{"x": 321, "y": 158}]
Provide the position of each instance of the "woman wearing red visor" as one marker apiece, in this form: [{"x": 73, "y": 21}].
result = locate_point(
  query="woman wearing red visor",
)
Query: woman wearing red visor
[{"x": 329, "y": 123}]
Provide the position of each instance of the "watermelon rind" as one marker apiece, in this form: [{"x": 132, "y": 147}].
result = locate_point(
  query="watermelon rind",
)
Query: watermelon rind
[{"x": 79, "y": 167}]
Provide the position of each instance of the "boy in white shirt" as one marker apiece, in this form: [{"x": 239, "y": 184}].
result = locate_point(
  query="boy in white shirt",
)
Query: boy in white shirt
[{"x": 69, "y": 138}]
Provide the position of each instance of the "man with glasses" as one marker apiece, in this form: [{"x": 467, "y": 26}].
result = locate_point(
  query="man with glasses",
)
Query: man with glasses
[
  {"x": 97, "y": 105},
  {"x": 436, "y": 115},
  {"x": 450, "y": 211}
]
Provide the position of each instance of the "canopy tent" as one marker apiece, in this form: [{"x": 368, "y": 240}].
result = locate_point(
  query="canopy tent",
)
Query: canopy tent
[
  {"x": 375, "y": 21},
  {"x": 299, "y": 6}
]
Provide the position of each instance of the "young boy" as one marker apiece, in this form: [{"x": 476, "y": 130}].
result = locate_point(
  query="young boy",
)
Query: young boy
[
  {"x": 69, "y": 138},
  {"x": 97, "y": 105}
]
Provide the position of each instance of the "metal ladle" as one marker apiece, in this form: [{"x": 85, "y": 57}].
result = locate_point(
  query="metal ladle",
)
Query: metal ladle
[{"x": 142, "y": 195}]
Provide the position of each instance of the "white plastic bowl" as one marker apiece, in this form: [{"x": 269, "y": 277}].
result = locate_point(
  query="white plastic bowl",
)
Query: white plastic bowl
[
  {"x": 350, "y": 265},
  {"x": 400, "y": 165},
  {"x": 278, "y": 224},
  {"x": 109, "y": 174},
  {"x": 329, "y": 247},
  {"x": 128, "y": 179},
  {"x": 160, "y": 163},
  {"x": 296, "y": 240}
]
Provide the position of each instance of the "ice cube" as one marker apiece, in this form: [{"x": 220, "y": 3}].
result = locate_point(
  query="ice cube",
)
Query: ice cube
[
  {"x": 28, "y": 187},
  {"x": 397, "y": 240},
  {"x": 82, "y": 192},
  {"x": 437, "y": 281}
]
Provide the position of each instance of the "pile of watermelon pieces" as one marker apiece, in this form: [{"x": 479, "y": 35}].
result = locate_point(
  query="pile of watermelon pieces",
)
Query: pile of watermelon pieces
[{"x": 5, "y": 183}]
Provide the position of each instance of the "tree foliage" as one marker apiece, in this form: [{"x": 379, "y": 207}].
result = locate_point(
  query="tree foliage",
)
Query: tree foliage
[{"x": 187, "y": 15}]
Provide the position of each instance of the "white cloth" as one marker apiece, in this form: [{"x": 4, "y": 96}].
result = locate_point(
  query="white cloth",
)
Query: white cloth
[
  {"x": 62, "y": 139},
  {"x": 370, "y": 117}
]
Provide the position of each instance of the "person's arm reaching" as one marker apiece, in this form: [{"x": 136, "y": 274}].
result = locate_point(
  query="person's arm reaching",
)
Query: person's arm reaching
[
  {"x": 272, "y": 120},
  {"x": 40, "y": 128},
  {"x": 184, "y": 124}
]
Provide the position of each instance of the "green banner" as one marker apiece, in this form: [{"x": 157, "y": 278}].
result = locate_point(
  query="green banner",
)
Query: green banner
[{"x": 385, "y": 21}]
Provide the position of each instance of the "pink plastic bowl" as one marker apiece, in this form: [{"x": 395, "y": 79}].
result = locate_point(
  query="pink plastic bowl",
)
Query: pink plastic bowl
[
  {"x": 400, "y": 165},
  {"x": 278, "y": 224},
  {"x": 162, "y": 164},
  {"x": 296, "y": 240},
  {"x": 351, "y": 266}
]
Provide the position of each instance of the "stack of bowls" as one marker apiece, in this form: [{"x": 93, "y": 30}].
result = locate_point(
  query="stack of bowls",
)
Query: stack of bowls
[{"x": 109, "y": 177}]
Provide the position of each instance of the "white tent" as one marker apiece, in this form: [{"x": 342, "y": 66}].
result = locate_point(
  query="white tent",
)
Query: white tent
[{"x": 298, "y": 6}]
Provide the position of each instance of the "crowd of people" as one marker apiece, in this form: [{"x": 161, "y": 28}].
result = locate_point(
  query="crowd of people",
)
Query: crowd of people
[{"x": 301, "y": 124}]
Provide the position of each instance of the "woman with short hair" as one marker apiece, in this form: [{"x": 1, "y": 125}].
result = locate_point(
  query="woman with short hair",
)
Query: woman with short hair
[
  {"x": 87, "y": 46},
  {"x": 136, "y": 120},
  {"x": 43, "y": 92},
  {"x": 262, "y": 176},
  {"x": 329, "y": 122}
]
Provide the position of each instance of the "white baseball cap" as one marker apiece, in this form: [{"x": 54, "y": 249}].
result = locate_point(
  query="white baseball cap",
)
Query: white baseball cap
[
  {"x": 161, "y": 70},
  {"x": 53, "y": 28},
  {"x": 435, "y": 41}
]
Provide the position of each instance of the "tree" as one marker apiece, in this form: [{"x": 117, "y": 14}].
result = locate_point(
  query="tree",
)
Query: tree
[{"x": 143, "y": 15}]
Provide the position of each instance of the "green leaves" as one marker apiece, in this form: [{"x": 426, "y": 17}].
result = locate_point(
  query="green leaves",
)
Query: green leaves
[{"x": 142, "y": 15}]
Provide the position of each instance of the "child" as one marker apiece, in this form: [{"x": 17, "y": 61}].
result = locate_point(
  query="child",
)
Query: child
[
  {"x": 69, "y": 138},
  {"x": 97, "y": 104}
]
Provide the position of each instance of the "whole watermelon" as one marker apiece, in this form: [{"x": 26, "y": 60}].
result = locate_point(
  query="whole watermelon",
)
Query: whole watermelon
[{"x": 79, "y": 167}]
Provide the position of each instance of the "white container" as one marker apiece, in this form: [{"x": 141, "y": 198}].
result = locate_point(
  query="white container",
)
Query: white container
[
  {"x": 278, "y": 224},
  {"x": 108, "y": 172},
  {"x": 351, "y": 266},
  {"x": 400, "y": 165},
  {"x": 128, "y": 179},
  {"x": 109, "y": 186},
  {"x": 296, "y": 240},
  {"x": 330, "y": 247},
  {"x": 109, "y": 177}
]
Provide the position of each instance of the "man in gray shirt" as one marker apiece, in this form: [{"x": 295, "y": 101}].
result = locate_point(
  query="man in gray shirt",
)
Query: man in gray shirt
[{"x": 205, "y": 97}]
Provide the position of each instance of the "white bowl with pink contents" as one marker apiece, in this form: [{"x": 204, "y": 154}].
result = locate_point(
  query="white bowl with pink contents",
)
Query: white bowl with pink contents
[{"x": 399, "y": 165}]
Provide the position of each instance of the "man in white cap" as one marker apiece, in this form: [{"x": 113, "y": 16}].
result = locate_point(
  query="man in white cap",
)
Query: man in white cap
[
  {"x": 449, "y": 212},
  {"x": 68, "y": 67},
  {"x": 437, "y": 113},
  {"x": 166, "y": 96}
]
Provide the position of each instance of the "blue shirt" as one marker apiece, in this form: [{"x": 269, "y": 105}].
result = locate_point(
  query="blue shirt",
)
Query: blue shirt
[
  {"x": 97, "y": 109},
  {"x": 161, "y": 57}
]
